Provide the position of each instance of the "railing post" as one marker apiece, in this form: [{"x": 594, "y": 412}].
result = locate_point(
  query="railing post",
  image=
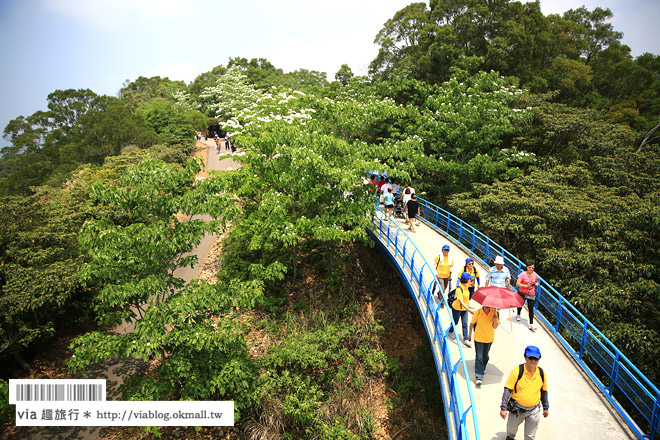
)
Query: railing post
[
  {"x": 487, "y": 249},
  {"x": 460, "y": 231},
  {"x": 396, "y": 244},
  {"x": 421, "y": 275},
  {"x": 655, "y": 418},
  {"x": 583, "y": 340},
  {"x": 448, "y": 222},
  {"x": 412, "y": 266},
  {"x": 559, "y": 309},
  {"x": 615, "y": 371},
  {"x": 474, "y": 239}
]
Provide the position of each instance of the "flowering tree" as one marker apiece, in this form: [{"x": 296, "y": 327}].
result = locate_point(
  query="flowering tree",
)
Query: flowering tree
[
  {"x": 231, "y": 94},
  {"x": 469, "y": 115}
]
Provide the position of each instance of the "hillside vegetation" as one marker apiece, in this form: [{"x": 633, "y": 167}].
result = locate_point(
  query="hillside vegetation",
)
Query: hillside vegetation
[{"x": 537, "y": 130}]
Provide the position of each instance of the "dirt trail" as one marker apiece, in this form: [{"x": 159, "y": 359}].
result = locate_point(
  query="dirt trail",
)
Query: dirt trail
[{"x": 116, "y": 369}]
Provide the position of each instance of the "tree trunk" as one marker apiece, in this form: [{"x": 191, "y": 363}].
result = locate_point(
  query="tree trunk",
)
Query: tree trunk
[
  {"x": 330, "y": 257},
  {"x": 21, "y": 361}
]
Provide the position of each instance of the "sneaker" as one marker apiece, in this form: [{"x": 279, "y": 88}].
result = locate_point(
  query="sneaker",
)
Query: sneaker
[
  {"x": 452, "y": 335},
  {"x": 479, "y": 382},
  {"x": 467, "y": 343},
  {"x": 532, "y": 328},
  {"x": 518, "y": 318}
]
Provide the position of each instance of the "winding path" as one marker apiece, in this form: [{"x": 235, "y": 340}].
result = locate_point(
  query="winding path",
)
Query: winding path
[{"x": 116, "y": 369}]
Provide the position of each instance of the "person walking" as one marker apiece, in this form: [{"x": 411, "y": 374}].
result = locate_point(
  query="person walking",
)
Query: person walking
[
  {"x": 484, "y": 322},
  {"x": 498, "y": 275},
  {"x": 527, "y": 282},
  {"x": 472, "y": 270},
  {"x": 461, "y": 306},
  {"x": 443, "y": 265},
  {"x": 413, "y": 209},
  {"x": 388, "y": 201},
  {"x": 407, "y": 195},
  {"x": 525, "y": 391}
]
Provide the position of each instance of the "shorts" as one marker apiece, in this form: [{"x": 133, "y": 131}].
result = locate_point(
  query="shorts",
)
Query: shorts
[
  {"x": 389, "y": 206},
  {"x": 411, "y": 215}
]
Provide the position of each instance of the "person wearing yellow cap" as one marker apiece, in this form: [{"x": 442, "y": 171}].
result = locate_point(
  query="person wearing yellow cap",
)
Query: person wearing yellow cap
[{"x": 525, "y": 391}]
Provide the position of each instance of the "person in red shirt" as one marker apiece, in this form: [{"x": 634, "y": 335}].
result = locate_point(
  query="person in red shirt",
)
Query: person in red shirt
[
  {"x": 527, "y": 282},
  {"x": 381, "y": 182}
]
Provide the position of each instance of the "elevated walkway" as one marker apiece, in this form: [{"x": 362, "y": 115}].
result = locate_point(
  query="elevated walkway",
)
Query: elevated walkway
[{"x": 579, "y": 409}]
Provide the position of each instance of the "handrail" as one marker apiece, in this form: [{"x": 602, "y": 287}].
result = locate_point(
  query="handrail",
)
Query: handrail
[
  {"x": 610, "y": 370},
  {"x": 419, "y": 277}
]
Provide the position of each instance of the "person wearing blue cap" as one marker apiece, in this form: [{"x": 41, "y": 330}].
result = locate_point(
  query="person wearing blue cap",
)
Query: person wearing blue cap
[
  {"x": 525, "y": 391},
  {"x": 443, "y": 265},
  {"x": 461, "y": 306},
  {"x": 472, "y": 270}
]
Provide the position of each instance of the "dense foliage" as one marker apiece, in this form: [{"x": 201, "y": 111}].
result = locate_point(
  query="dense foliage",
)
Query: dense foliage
[{"x": 529, "y": 127}]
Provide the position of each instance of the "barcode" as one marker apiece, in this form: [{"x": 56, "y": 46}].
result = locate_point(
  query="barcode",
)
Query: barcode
[{"x": 56, "y": 390}]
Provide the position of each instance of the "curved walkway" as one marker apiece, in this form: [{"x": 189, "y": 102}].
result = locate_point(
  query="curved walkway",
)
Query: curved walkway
[{"x": 578, "y": 410}]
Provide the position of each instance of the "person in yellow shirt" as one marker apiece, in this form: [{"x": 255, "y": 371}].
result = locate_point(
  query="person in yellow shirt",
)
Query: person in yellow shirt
[
  {"x": 484, "y": 322},
  {"x": 472, "y": 270},
  {"x": 443, "y": 265},
  {"x": 461, "y": 306},
  {"x": 525, "y": 391}
]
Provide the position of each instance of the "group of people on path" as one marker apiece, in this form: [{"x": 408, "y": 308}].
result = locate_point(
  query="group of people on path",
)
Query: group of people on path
[
  {"x": 229, "y": 143},
  {"x": 390, "y": 193},
  {"x": 526, "y": 389}
]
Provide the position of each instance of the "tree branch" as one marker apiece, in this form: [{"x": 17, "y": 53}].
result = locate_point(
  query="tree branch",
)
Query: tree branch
[{"x": 647, "y": 138}]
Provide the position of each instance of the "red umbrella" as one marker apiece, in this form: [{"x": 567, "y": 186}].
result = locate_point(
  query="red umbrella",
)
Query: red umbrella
[{"x": 498, "y": 297}]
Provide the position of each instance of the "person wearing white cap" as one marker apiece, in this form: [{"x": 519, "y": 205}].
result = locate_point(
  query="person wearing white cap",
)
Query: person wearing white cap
[{"x": 498, "y": 275}]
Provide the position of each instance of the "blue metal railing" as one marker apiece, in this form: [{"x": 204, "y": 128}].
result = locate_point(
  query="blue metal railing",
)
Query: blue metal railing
[
  {"x": 610, "y": 370},
  {"x": 419, "y": 278}
]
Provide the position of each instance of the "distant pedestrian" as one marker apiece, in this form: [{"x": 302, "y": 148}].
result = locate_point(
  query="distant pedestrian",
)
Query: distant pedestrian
[
  {"x": 206, "y": 135},
  {"x": 388, "y": 201},
  {"x": 404, "y": 200},
  {"x": 381, "y": 182},
  {"x": 374, "y": 183},
  {"x": 386, "y": 187},
  {"x": 525, "y": 391},
  {"x": 233, "y": 147},
  {"x": 461, "y": 306},
  {"x": 484, "y": 322},
  {"x": 413, "y": 209},
  {"x": 527, "y": 283},
  {"x": 498, "y": 275}
]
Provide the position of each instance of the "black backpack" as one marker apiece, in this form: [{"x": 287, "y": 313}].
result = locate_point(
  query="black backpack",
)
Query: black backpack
[
  {"x": 451, "y": 296},
  {"x": 521, "y": 371}
]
